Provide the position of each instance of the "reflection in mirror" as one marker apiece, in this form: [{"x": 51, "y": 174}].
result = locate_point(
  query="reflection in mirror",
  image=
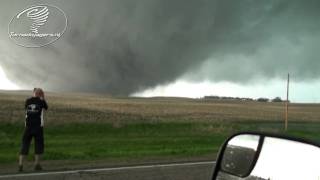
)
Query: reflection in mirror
[
  {"x": 282, "y": 159},
  {"x": 239, "y": 155}
]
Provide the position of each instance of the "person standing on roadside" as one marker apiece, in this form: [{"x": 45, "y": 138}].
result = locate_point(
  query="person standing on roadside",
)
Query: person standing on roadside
[{"x": 34, "y": 107}]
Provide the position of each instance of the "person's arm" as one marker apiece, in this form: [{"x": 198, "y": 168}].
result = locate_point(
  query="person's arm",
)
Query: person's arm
[
  {"x": 26, "y": 104},
  {"x": 45, "y": 105},
  {"x": 25, "y": 108}
]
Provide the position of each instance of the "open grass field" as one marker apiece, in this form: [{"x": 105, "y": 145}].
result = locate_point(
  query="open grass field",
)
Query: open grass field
[{"x": 88, "y": 129}]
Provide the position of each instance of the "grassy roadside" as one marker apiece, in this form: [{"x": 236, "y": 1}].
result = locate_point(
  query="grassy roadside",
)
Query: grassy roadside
[
  {"x": 94, "y": 141},
  {"x": 98, "y": 141}
]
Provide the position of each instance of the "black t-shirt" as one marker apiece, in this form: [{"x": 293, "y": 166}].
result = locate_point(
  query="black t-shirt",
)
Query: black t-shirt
[{"x": 34, "y": 112}]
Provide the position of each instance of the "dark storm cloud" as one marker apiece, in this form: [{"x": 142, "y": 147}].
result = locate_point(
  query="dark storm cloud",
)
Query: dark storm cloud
[
  {"x": 123, "y": 46},
  {"x": 264, "y": 41}
]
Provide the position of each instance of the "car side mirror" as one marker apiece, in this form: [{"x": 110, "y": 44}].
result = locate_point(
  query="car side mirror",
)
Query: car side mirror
[{"x": 261, "y": 156}]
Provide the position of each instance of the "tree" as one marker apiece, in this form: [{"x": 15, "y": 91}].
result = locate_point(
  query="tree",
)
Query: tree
[
  {"x": 277, "y": 99},
  {"x": 263, "y": 100}
]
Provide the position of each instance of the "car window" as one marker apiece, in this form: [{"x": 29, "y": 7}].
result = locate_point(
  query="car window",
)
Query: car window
[{"x": 143, "y": 83}]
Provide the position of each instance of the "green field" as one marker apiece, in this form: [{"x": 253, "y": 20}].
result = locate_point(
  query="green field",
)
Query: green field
[{"x": 84, "y": 130}]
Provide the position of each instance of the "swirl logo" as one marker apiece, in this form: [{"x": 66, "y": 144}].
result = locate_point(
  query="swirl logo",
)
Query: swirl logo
[
  {"x": 38, "y": 14},
  {"x": 37, "y": 26}
]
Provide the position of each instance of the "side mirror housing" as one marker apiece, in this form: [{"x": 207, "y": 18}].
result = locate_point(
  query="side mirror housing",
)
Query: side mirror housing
[{"x": 264, "y": 156}]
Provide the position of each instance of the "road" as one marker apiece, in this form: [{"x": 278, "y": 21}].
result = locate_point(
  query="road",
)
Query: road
[{"x": 176, "y": 171}]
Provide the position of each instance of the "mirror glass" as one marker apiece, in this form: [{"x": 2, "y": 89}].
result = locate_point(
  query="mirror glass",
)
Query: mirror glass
[
  {"x": 279, "y": 159},
  {"x": 239, "y": 154}
]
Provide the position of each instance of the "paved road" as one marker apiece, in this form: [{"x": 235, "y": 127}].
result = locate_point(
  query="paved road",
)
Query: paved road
[{"x": 183, "y": 171}]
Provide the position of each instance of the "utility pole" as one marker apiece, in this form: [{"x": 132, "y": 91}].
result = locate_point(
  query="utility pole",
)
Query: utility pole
[{"x": 287, "y": 104}]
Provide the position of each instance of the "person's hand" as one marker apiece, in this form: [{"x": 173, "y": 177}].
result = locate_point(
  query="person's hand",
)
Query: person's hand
[{"x": 42, "y": 96}]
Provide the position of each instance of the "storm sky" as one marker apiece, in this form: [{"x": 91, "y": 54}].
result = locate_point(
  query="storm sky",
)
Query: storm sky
[{"x": 124, "y": 47}]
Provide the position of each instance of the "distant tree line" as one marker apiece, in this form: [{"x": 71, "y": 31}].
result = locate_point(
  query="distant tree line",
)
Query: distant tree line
[{"x": 262, "y": 99}]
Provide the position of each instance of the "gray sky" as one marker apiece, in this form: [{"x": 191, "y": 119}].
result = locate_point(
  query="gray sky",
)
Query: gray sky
[{"x": 122, "y": 47}]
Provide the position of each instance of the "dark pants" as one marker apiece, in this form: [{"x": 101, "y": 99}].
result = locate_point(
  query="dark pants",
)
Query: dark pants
[{"x": 37, "y": 134}]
